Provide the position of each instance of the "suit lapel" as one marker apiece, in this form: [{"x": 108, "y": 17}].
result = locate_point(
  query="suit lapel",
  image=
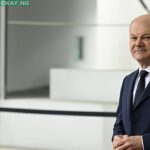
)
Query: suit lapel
[
  {"x": 129, "y": 98},
  {"x": 130, "y": 86},
  {"x": 144, "y": 95}
]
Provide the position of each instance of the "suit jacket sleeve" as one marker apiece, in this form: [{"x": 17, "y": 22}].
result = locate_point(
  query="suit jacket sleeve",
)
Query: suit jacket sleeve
[
  {"x": 146, "y": 141},
  {"x": 118, "y": 126}
]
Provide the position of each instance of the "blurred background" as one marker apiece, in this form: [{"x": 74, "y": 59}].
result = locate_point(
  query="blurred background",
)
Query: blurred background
[{"x": 61, "y": 69}]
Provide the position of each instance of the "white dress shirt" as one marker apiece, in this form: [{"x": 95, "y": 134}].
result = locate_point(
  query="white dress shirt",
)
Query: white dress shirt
[{"x": 147, "y": 80}]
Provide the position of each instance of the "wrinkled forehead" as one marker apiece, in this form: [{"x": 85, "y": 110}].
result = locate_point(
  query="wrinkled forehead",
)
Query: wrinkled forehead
[
  {"x": 144, "y": 19},
  {"x": 140, "y": 25}
]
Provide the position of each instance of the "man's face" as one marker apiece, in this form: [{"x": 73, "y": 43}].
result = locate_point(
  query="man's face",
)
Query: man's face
[{"x": 140, "y": 41}]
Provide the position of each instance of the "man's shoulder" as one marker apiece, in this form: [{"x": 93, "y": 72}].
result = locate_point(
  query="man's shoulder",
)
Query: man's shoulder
[{"x": 132, "y": 74}]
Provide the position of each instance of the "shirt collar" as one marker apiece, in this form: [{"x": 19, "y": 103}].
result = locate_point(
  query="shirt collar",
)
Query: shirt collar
[{"x": 147, "y": 69}]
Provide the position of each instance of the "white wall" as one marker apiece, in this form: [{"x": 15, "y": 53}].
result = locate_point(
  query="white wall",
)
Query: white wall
[
  {"x": 35, "y": 52},
  {"x": 86, "y": 85},
  {"x": 118, "y": 12},
  {"x": 113, "y": 40},
  {"x": 35, "y": 49},
  {"x": 56, "y": 132},
  {"x": 64, "y": 132}
]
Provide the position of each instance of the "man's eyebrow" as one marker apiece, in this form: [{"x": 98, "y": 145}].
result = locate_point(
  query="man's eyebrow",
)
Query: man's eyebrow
[
  {"x": 146, "y": 34},
  {"x": 132, "y": 34}
]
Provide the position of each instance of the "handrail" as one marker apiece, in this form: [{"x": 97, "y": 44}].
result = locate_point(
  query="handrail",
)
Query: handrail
[{"x": 58, "y": 112}]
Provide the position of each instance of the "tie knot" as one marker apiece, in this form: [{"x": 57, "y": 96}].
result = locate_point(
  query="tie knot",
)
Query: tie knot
[{"x": 143, "y": 73}]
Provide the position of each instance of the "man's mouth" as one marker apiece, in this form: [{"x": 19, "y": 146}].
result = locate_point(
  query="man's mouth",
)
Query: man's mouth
[{"x": 139, "y": 49}]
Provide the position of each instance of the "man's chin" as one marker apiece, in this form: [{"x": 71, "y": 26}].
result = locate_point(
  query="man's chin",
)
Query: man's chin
[{"x": 139, "y": 56}]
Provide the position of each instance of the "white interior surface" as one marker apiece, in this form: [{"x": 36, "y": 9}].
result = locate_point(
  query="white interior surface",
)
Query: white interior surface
[
  {"x": 86, "y": 85},
  {"x": 121, "y": 11},
  {"x": 56, "y": 132},
  {"x": 62, "y": 105},
  {"x": 42, "y": 47}
]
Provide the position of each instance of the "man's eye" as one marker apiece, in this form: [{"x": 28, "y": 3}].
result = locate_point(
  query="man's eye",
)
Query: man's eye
[
  {"x": 146, "y": 38},
  {"x": 133, "y": 38}
]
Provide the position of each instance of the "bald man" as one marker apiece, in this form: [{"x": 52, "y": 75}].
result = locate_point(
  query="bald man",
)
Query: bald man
[{"x": 132, "y": 127}]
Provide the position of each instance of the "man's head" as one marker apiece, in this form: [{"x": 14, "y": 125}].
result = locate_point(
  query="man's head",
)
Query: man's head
[{"x": 139, "y": 31}]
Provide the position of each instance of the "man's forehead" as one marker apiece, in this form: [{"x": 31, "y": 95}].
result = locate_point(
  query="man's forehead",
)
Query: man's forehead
[{"x": 143, "y": 18}]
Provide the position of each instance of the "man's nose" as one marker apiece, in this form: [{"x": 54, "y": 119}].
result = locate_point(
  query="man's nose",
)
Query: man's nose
[{"x": 139, "y": 42}]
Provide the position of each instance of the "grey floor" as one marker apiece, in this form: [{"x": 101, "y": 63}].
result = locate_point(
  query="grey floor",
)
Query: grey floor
[{"x": 29, "y": 93}]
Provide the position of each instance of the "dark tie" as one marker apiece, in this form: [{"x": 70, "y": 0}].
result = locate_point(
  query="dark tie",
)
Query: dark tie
[{"x": 140, "y": 86}]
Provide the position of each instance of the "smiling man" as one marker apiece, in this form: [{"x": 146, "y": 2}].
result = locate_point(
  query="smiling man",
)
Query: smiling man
[{"x": 132, "y": 126}]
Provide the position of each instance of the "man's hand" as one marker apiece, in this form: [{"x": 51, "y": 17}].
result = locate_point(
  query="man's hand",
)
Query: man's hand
[
  {"x": 117, "y": 141},
  {"x": 125, "y": 142}
]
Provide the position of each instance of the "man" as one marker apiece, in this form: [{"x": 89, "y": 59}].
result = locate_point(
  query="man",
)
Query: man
[{"x": 132, "y": 126}]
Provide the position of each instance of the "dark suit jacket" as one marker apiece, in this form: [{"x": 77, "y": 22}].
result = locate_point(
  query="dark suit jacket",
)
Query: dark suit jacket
[{"x": 129, "y": 120}]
